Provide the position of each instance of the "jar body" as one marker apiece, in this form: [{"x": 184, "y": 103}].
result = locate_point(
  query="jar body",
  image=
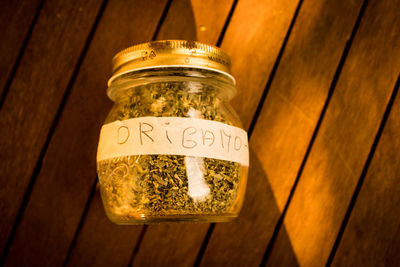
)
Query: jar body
[{"x": 145, "y": 188}]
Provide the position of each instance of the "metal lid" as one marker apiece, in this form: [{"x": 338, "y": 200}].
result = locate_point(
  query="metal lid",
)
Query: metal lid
[{"x": 171, "y": 53}]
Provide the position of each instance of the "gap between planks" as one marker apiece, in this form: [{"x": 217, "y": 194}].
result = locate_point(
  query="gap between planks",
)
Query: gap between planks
[
  {"x": 94, "y": 186},
  {"x": 20, "y": 53},
  {"x": 53, "y": 126},
  {"x": 256, "y": 114},
  {"x": 364, "y": 173},
  {"x": 330, "y": 93}
]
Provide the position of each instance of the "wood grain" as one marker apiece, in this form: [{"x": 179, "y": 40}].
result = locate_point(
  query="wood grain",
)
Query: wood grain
[
  {"x": 102, "y": 243},
  {"x": 284, "y": 129},
  {"x": 179, "y": 23},
  {"x": 69, "y": 169},
  {"x": 175, "y": 248},
  {"x": 18, "y": 16},
  {"x": 372, "y": 236},
  {"x": 272, "y": 13},
  {"x": 210, "y": 17},
  {"x": 344, "y": 139},
  {"x": 200, "y": 20},
  {"x": 64, "y": 221},
  {"x": 253, "y": 40},
  {"x": 34, "y": 96}
]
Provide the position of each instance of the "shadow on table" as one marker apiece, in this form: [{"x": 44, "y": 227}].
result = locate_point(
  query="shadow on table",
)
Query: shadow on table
[
  {"x": 244, "y": 241},
  {"x": 261, "y": 213}
]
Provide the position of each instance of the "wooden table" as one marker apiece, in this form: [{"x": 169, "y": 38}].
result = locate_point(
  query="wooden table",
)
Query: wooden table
[{"x": 318, "y": 85}]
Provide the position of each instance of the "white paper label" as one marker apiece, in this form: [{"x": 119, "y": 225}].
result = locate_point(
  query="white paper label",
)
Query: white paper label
[{"x": 173, "y": 136}]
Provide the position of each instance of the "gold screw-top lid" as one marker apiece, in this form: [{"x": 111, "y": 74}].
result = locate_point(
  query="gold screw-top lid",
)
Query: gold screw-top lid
[{"x": 171, "y": 53}]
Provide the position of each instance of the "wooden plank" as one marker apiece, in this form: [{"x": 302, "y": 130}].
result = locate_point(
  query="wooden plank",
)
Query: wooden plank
[
  {"x": 344, "y": 139},
  {"x": 210, "y": 17},
  {"x": 69, "y": 170},
  {"x": 56, "y": 205},
  {"x": 203, "y": 20},
  {"x": 106, "y": 245},
  {"x": 102, "y": 243},
  {"x": 179, "y": 23},
  {"x": 167, "y": 244},
  {"x": 372, "y": 236},
  {"x": 34, "y": 96},
  {"x": 253, "y": 40},
  {"x": 18, "y": 16},
  {"x": 175, "y": 248},
  {"x": 284, "y": 129}
]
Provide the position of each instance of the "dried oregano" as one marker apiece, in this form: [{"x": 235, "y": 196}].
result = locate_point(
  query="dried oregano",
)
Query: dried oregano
[{"x": 158, "y": 184}]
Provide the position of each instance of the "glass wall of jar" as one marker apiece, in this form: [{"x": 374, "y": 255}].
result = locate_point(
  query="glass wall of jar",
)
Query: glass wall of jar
[{"x": 172, "y": 148}]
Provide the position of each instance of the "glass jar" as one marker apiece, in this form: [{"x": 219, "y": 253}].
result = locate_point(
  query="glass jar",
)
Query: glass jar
[{"x": 172, "y": 148}]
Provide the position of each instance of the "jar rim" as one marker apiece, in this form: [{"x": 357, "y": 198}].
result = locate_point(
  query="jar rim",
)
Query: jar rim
[{"x": 171, "y": 53}]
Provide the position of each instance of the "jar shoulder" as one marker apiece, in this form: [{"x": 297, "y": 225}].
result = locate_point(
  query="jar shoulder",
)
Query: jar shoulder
[{"x": 196, "y": 106}]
